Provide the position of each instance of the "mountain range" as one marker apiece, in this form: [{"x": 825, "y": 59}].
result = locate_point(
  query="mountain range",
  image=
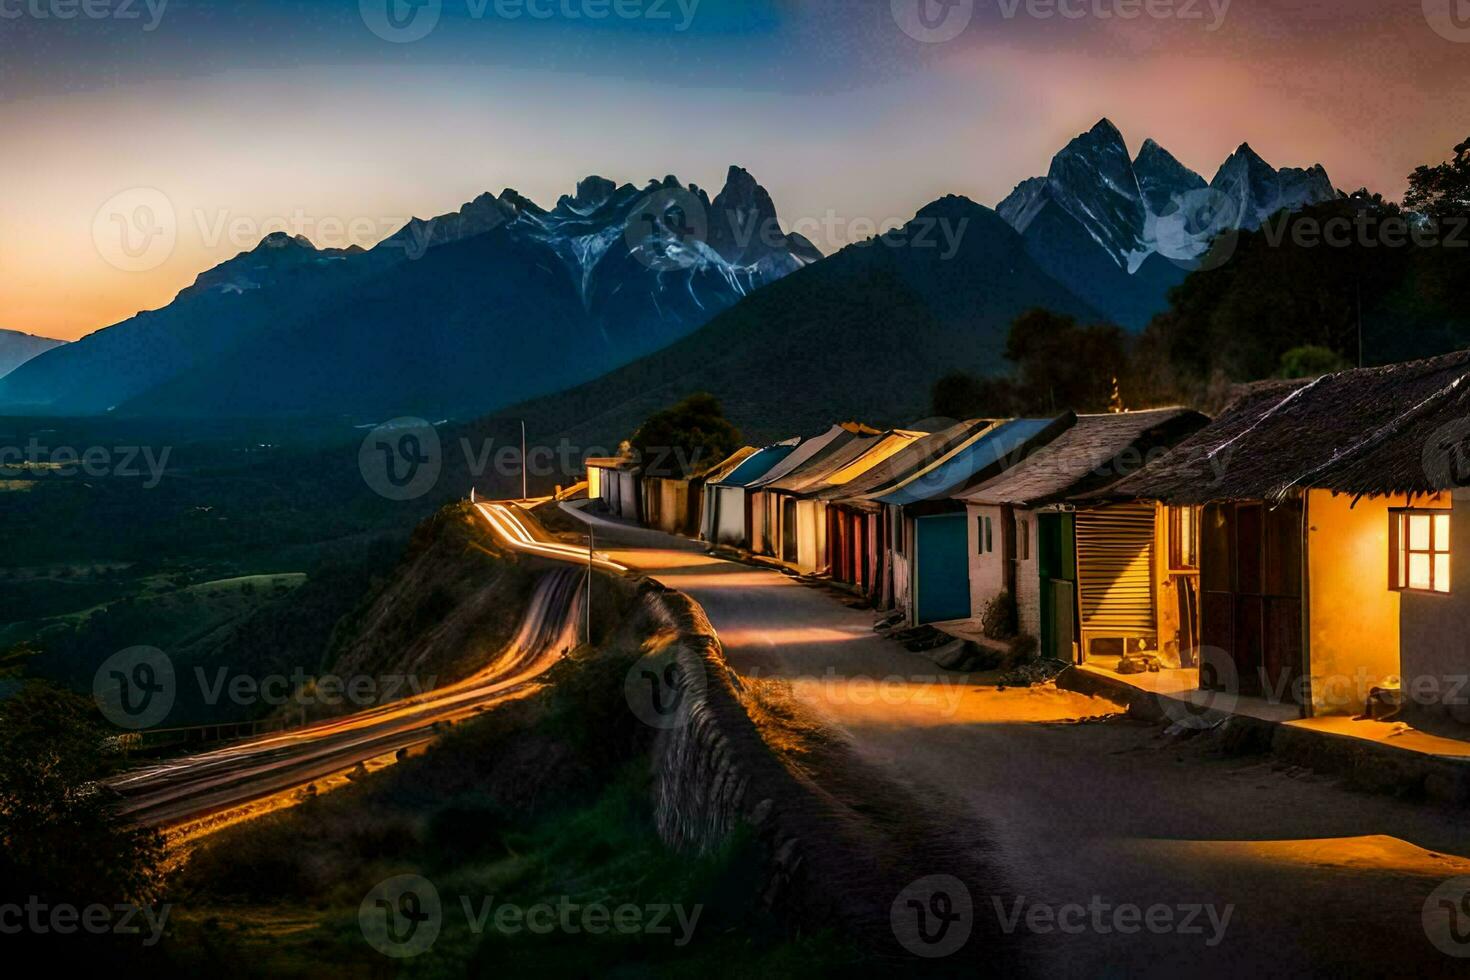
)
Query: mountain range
[
  {"x": 16, "y": 348},
  {"x": 502, "y": 301},
  {"x": 1120, "y": 230},
  {"x": 862, "y": 334},
  {"x": 460, "y": 314}
]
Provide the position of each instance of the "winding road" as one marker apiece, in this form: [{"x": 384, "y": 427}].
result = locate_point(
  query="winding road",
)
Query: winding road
[{"x": 185, "y": 789}]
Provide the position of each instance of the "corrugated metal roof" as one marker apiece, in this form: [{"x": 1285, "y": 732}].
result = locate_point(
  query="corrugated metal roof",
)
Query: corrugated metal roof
[
  {"x": 816, "y": 447},
  {"x": 907, "y": 461},
  {"x": 756, "y": 466},
  {"x": 1002, "y": 444}
]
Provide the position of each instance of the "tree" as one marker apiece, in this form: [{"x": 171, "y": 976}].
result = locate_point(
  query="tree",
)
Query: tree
[
  {"x": 681, "y": 440},
  {"x": 1442, "y": 191},
  {"x": 1311, "y": 362},
  {"x": 1062, "y": 365},
  {"x": 61, "y": 837},
  {"x": 964, "y": 396}
]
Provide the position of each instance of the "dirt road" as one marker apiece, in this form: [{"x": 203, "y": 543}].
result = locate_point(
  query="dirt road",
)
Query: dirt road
[{"x": 1131, "y": 853}]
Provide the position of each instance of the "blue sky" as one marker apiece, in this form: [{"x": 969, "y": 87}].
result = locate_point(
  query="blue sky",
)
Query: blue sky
[{"x": 241, "y": 113}]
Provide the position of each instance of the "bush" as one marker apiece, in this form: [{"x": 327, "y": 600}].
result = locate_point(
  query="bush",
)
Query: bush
[
  {"x": 1001, "y": 618},
  {"x": 61, "y": 836},
  {"x": 1024, "y": 649}
]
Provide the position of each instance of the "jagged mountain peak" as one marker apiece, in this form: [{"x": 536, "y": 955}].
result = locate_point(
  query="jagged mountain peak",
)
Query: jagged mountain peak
[
  {"x": 281, "y": 239},
  {"x": 1162, "y": 179},
  {"x": 496, "y": 301},
  {"x": 1104, "y": 224}
]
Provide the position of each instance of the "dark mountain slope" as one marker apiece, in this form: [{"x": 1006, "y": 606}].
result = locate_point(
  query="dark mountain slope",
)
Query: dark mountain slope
[{"x": 862, "y": 334}]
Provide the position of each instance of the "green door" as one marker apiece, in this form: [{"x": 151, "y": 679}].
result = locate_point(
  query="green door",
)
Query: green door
[
  {"x": 1056, "y": 558},
  {"x": 943, "y": 568}
]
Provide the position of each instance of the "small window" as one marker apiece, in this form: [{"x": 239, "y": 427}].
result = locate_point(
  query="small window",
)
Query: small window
[
  {"x": 984, "y": 536},
  {"x": 1183, "y": 538},
  {"x": 1419, "y": 551},
  {"x": 1023, "y": 539}
]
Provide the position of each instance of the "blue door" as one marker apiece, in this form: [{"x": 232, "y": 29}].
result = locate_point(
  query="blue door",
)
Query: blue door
[{"x": 943, "y": 568}]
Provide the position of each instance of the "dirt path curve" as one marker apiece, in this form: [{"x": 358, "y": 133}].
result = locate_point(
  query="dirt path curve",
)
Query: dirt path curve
[{"x": 1091, "y": 817}]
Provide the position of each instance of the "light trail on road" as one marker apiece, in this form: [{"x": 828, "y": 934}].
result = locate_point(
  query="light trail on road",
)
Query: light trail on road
[{"x": 182, "y": 790}]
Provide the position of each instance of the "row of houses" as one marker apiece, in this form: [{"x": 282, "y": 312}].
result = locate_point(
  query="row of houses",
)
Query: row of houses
[{"x": 1301, "y": 547}]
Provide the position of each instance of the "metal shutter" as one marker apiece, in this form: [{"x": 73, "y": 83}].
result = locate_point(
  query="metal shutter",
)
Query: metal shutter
[{"x": 1115, "y": 554}]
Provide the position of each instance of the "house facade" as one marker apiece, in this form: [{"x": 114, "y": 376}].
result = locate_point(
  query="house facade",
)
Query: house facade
[
  {"x": 675, "y": 504},
  {"x": 1328, "y": 532},
  {"x": 725, "y": 514},
  {"x": 1093, "y": 582},
  {"x": 928, "y": 528},
  {"x": 859, "y": 554}
]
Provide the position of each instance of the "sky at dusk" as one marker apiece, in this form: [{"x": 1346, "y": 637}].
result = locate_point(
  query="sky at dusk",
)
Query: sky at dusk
[{"x": 323, "y": 116}]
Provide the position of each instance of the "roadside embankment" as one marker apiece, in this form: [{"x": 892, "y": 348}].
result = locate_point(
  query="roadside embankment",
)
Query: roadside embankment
[{"x": 842, "y": 841}]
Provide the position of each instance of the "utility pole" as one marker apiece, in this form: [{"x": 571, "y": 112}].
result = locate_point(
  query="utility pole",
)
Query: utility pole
[{"x": 525, "y": 494}]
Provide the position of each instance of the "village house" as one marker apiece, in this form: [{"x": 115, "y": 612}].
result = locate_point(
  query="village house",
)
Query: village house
[
  {"x": 674, "y": 503},
  {"x": 1093, "y": 582},
  {"x": 764, "y": 531},
  {"x": 857, "y": 527},
  {"x": 929, "y": 544},
  {"x": 799, "y": 538},
  {"x": 1332, "y": 543},
  {"x": 615, "y": 481},
  {"x": 725, "y": 510}
]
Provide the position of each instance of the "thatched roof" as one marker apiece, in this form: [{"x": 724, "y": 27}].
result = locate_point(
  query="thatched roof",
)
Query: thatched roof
[
  {"x": 1402, "y": 428},
  {"x": 1090, "y": 455}
]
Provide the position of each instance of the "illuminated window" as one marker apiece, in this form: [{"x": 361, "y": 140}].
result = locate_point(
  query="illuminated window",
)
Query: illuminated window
[{"x": 1419, "y": 550}]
